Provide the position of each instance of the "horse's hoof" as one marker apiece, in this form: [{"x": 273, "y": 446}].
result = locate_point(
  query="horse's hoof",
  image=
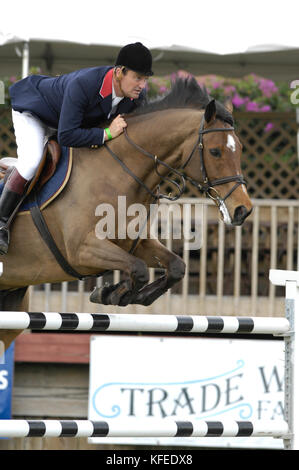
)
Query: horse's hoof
[
  {"x": 97, "y": 296},
  {"x": 125, "y": 300}
]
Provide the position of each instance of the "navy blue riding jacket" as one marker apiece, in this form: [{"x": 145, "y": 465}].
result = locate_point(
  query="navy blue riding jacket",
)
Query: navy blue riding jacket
[{"x": 73, "y": 103}]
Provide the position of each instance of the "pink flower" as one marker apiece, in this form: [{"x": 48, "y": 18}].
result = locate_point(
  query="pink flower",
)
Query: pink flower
[
  {"x": 252, "y": 106},
  {"x": 238, "y": 101},
  {"x": 229, "y": 89},
  {"x": 162, "y": 89},
  {"x": 267, "y": 87},
  {"x": 269, "y": 127},
  {"x": 265, "y": 108},
  {"x": 183, "y": 74}
]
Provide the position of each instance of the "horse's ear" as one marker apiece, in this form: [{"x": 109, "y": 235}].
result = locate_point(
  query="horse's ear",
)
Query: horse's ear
[
  {"x": 229, "y": 106},
  {"x": 210, "y": 111}
]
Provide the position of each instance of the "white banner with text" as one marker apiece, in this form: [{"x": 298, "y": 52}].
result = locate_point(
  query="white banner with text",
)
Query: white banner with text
[{"x": 186, "y": 378}]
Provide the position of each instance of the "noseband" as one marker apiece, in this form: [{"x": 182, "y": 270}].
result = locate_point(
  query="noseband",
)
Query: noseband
[{"x": 207, "y": 186}]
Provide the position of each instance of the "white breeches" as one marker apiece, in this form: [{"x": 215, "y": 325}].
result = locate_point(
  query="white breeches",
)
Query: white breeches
[{"x": 31, "y": 136}]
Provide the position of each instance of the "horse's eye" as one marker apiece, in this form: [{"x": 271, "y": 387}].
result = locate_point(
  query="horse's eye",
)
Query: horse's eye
[{"x": 215, "y": 152}]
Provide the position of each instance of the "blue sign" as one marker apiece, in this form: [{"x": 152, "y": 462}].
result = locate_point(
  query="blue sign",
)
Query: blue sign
[{"x": 6, "y": 381}]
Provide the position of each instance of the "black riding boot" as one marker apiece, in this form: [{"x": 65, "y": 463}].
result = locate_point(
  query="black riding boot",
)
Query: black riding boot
[{"x": 11, "y": 196}]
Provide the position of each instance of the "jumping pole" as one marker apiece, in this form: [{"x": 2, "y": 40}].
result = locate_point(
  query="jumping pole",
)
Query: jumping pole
[
  {"x": 141, "y": 428},
  {"x": 287, "y": 429},
  {"x": 103, "y": 322}
]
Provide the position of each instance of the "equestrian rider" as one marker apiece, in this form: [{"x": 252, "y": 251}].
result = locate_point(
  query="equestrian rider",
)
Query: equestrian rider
[{"x": 70, "y": 105}]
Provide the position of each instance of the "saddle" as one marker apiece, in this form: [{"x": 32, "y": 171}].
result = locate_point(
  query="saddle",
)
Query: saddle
[{"x": 46, "y": 169}]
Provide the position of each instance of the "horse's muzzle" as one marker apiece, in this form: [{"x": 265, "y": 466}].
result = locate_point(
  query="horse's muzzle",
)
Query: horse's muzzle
[{"x": 240, "y": 215}]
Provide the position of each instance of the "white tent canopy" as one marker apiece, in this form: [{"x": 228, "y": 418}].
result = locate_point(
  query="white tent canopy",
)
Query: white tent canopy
[
  {"x": 56, "y": 57},
  {"x": 229, "y": 38}
]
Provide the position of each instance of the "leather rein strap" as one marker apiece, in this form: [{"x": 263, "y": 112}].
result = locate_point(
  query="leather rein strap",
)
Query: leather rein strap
[{"x": 156, "y": 196}]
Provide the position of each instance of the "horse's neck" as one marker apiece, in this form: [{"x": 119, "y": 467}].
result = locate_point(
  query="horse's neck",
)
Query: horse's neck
[
  {"x": 162, "y": 135},
  {"x": 162, "y": 131}
]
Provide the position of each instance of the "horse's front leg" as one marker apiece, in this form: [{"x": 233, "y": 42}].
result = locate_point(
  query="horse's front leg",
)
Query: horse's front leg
[
  {"x": 157, "y": 255},
  {"x": 105, "y": 255}
]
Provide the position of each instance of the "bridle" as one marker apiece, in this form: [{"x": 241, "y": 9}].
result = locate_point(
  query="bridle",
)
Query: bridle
[{"x": 207, "y": 187}]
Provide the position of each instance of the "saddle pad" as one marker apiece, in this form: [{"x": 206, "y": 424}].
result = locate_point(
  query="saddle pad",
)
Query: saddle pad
[{"x": 54, "y": 186}]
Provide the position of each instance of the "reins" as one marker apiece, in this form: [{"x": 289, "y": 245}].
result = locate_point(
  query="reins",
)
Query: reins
[
  {"x": 156, "y": 161},
  {"x": 206, "y": 186}
]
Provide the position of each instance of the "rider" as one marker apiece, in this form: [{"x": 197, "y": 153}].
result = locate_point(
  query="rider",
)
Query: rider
[{"x": 70, "y": 105}]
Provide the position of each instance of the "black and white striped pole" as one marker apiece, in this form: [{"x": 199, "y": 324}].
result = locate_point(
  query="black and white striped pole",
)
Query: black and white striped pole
[
  {"x": 152, "y": 427},
  {"x": 103, "y": 322},
  {"x": 285, "y": 327}
]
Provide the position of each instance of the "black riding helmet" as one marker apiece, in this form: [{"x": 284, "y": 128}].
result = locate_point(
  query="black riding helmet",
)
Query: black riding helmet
[{"x": 136, "y": 57}]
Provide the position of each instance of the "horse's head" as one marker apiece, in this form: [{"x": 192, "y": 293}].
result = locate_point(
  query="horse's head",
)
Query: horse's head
[{"x": 214, "y": 166}]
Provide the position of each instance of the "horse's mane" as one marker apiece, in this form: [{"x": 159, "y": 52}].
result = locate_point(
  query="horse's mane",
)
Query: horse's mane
[{"x": 185, "y": 93}]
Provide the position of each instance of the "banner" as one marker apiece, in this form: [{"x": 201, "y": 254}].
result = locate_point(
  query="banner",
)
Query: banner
[
  {"x": 6, "y": 381},
  {"x": 186, "y": 378}
]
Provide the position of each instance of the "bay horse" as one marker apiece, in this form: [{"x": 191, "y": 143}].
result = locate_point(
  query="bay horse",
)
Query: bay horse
[{"x": 185, "y": 133}]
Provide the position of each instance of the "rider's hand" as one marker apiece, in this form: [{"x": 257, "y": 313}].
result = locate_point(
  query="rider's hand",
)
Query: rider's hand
[{"x": 116, "y": 127}]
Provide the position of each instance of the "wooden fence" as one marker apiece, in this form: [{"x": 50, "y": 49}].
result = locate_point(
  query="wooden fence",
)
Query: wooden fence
[
  {"x": 270, "y": 160},
  {"x": 226, "y": 275}
]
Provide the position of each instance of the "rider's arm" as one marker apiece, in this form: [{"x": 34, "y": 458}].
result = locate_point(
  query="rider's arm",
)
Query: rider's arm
[{"x": 70, "y": 130}]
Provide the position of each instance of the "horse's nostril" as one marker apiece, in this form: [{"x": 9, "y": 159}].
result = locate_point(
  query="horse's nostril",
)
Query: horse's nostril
[{"x": 240, "y": 215}]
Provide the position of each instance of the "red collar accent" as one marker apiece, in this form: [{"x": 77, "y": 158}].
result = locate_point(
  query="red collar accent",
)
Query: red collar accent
[{"x": 106, "y": 88}]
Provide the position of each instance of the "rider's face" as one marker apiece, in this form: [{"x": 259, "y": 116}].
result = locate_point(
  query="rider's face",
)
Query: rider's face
[{"x": 131, "y": 83}]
